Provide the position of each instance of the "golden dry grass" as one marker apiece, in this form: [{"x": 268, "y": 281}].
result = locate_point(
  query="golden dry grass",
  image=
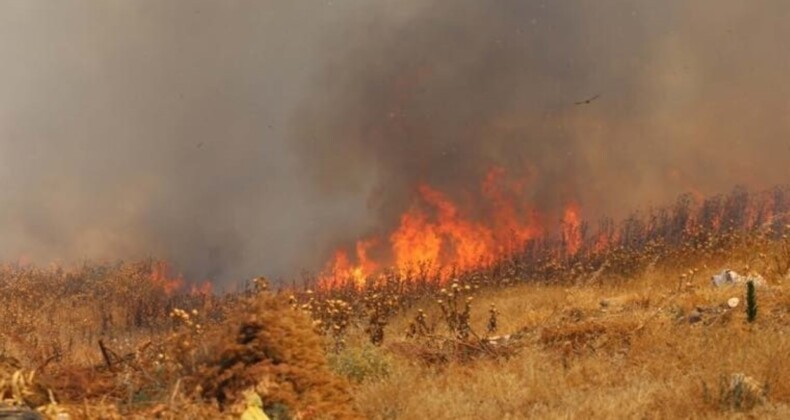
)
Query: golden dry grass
[
  {"x": 173, "y": 363},
  {"x": 607, "y": 347},
  {"x": 615, "y": 347},
  {"x": 635, "y": 330},
  {"x": 636, "y": 357}
]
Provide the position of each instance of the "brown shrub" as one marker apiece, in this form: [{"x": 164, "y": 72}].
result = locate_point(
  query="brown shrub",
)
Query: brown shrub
[{"x": 272, "y": 348}]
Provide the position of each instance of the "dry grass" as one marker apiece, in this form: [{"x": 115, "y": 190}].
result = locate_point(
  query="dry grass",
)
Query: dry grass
[
  {"x": 635, "y": 357},
  {"x": 615, "y": 348},
  {"x": 167, "y": 362},
  {"x": 634, "y": 330}
]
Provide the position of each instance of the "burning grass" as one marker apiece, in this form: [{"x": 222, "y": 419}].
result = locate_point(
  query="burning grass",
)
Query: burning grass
[{"x": 630, "y": 329}]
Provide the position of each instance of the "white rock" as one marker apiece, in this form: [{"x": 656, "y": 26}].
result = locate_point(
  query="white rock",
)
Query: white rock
[
  {"x": 733, "y": 302},
  {"x": 729, "y": 278}
]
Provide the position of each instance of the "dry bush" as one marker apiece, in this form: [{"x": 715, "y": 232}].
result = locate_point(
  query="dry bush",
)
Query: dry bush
[
  {"x": 454, "y": 339},
  {"x": 174, "y": 364},
  {"x": 269, "y": 347}
]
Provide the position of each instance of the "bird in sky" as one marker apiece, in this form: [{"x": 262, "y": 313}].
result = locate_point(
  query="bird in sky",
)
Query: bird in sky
[{"x": 588, "y": 101}]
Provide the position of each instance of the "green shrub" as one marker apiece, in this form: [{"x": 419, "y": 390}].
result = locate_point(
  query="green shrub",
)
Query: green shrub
[{"x": 360, "y": 364}]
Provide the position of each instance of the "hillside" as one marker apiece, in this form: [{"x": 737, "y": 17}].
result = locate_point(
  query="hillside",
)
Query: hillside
[
  {"x": 633, "y": 329},
  {"x": 630, "y": 349}
]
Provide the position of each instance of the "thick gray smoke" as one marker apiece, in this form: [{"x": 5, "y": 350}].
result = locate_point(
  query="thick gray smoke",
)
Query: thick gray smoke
[
  {"x": 238, "y": 138},
  {"x": 150, "y": 128},
  {"x": 687, "y": 96}
]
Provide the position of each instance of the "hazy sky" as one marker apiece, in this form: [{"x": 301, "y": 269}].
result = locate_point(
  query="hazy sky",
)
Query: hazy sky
[{"x": 236, "y": 138}]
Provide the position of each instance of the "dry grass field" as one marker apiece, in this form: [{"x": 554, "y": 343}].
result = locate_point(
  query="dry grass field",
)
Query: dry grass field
[
  {"x": 633, "y": 330},
  {"x": 394, "y": 209},
  {"x": 603, "y": 351}
]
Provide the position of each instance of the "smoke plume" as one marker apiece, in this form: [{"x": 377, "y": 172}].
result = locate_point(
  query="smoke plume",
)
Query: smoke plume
[
  {"x": 616, "y": 105},
  {"x": 240, "y": 138}
]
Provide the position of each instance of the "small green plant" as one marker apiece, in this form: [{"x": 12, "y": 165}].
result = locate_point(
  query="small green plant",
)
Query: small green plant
[
  {"x": 751, "y": 301},
  {"x": 360, "y": 364}
]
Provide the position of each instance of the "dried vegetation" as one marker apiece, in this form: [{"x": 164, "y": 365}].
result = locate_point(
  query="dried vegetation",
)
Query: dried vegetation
[{"x": 629, "y": 325}]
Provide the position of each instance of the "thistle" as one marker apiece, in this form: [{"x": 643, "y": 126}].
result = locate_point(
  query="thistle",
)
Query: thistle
[{"x": 492, "y": 319}]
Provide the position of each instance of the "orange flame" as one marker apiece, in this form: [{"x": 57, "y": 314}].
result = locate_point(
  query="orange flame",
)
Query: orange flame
[
  {"x": 416, "y": 241},
  {"x": 604, "y": 240},
  {"x": 434, "y": 233},
  {"x": 466, "y": 243},
  {"x": 340, "y": 268},
  {"x": 571, "y": 228},
  {"x": 161, "y": 276},
  {"x": 205, "y": 289},
  {"x": 512, "y": 228}
]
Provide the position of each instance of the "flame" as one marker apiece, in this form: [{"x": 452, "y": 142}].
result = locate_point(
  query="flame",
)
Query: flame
[
  {"x": 205, "y": 289},
  {"x": 571, "y": 228},
  {"x": 416, "y": 241},
  {"x": 467, "y": 244},
  {"x": 435, "y": 233},
  {"x": 366, "y": 264},
  {"x": 602, "y": 242},
  {"x": 513, "y": 227},
  {"x": 161, "y": 276},
  {"x": 340, "y": 268}
]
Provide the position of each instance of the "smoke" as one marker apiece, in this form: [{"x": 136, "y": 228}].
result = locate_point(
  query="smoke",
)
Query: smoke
[
  {"x": 149, "y": 128},
  {"x": 239, "y": 138},
  {"x": 686, "y": 96}
]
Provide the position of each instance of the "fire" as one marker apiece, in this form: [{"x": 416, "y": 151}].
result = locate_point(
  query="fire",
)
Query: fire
[
  {"x": 436, "y": 233},
  {"x": 416, "y": 241},
  {"x": 513, "y": 227},
  {"x": 467, "y": 244},
  {"x": 571, "y": 228},
  {"x": 161, "y": 276},
  {"x": 366, "y": 265},
  {"x": 206, "y": 288},
  {"x": 607, "y": 237},
  {"x": 341, "y": 268}
]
